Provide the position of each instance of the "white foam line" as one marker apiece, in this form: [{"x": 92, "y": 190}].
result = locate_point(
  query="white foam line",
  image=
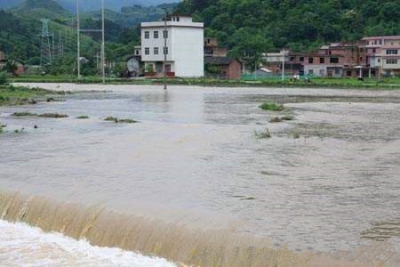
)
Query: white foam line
[{"x": 23, "y": 245}]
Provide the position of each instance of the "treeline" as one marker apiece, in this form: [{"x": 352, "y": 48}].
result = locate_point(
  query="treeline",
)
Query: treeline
[{"x": 248, "y": 26}]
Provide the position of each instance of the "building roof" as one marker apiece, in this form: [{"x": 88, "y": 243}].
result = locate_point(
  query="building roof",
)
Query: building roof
[
  {"x": 218, "y": 60},
  {"x": 392, "y": 37}
]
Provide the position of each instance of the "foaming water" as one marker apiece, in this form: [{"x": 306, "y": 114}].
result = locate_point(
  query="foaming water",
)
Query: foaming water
[
  {"x": 22, "y": 245},
  {"x": 197, "y": 247},
  {"x": 193, "y": 170}
]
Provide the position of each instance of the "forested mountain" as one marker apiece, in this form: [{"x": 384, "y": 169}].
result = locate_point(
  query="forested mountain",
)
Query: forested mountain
[
  {"x": 248, "y": 26},
  {"x": 21, "y": 29},
  {"x": 91, "y": 5}
]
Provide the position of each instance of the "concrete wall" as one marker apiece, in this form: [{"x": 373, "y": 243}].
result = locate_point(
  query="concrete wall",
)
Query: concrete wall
[
  {"x": 187, "y": 51},
  {"x": 185, "y": 44},
  {"x": 316, "y": 70}
]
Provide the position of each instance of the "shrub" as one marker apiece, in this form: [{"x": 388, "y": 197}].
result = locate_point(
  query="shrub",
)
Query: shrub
[
  {"x": 83, "y": 117},
  {"x": 264, "y": 134},
  {"x": 3, "y": 78},
  {"x": 271, "y": 106}
]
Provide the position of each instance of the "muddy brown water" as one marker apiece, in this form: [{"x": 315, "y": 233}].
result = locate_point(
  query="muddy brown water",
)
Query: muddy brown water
[{"x": 191, "y": 181}]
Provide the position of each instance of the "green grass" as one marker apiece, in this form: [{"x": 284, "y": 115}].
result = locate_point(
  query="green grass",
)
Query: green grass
[
  {"x": 53, "y": 115},
  {"x": 271, "y": 106},
  {"x": 24, "y": 114},
  {"x": 314, "y": 82},
  {"x": 17, "y": 95}
]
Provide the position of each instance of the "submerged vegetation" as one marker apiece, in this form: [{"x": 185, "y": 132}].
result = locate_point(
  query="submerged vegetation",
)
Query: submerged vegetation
[
  {"x": 1, "y": 127},
  {"x": 263, "y": 134},
  {"x": 17, "y": 95},
  {"x": 271, "y": 106},
  {"x": 116, "y": 120},
  {"x": 44, "y": 115},
  {"x": 82, "y": 117}
]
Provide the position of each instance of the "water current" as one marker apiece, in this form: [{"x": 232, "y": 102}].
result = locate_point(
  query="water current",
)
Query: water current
[{"x": 194, "y": 181}]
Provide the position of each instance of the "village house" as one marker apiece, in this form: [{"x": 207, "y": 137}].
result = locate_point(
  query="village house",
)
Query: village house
[
  {"x": 383, "y": 53},
  {"x": 223, "y": 67},
  {"x": 288, "y": 62},
  {"x": 184, "y": 48},
  {"x": 212, "y": 49},
  {"x": 338, "y": 60},
  {"x": 217, "y": 64}
]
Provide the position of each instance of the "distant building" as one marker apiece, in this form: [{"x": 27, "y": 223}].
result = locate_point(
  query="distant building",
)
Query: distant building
[
  {"x": 212, "y": 49},
  {"x": 338, "y": 60},
  {"x": 223, "y": 67},
  {"x": 383, "y": 54},
  {"x": 184, "y": 48},
  {"x": 284, "y": 61}
]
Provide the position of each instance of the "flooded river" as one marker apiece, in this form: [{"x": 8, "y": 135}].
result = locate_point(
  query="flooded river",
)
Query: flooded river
[{"x": 193, "y": 182}]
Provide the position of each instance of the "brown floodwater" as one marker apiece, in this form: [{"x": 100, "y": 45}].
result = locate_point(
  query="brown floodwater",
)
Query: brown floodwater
[{"x": 193, "y": 181}]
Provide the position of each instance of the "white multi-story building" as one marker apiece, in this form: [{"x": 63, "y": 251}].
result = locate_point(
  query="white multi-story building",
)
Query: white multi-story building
[
  {"x": 384, "y": 53},
  {"x": 184, "y": 47}
]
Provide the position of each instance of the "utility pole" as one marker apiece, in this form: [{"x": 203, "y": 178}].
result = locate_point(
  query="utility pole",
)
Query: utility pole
[
  {"x": 102, "y": 41},
  {"x": 78, "y": 31},
  {"x": 165, "y": 33},
  {"x": 78, "y": 41},
  {"x": 283, "y": 64}
]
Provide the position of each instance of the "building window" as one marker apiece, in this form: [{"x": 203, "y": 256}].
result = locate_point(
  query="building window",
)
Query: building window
[
  {"x": 155, "y": 34},
  {"x": 165, "y": 50},
  {"x": 337, "y": 71},
  {"x": 155, "y": 50},
  {"x": 291, "y": 58},
  {"x": 147, "y": 51},
  {"x": 374, "y": 50},
  {"x": 334, "y": 60},
  {"x": 311, "y": 60},
  {"x": 379, "y": 60},
  {"x": 311, "y": 72},
  {"x": 146, "y": 35},
  {"x": 165, "y": 34},
  {"x": 321, "y": 60},
  {"x": 301, "y": 59},
  {"x": 391, "y": 61},
  {"x": 391, "y": 52},
  {"x": 322, "y": 72}
]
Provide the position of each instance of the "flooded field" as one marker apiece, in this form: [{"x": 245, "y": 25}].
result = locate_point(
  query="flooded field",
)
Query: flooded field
[{"x": 193, "y": 182}]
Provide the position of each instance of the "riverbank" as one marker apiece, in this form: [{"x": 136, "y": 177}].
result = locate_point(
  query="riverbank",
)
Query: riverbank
[
  {"x": 386, "y": 83},
  {"x": 11, "y": 95}
]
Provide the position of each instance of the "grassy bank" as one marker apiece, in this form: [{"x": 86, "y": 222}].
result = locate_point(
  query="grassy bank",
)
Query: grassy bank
[
  {"x": 17, "y": 95},
  {"x": 373, "y": 83}
]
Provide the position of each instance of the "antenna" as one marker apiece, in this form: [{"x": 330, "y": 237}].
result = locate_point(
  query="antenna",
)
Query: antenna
[{"x": 45, "y": 47}]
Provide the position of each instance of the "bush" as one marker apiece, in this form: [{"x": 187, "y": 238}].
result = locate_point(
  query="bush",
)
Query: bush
[
  {"x": 271, "y": 106},
  {"x": 3, "y": 78}
]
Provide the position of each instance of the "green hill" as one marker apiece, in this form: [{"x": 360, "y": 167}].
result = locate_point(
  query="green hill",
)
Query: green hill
[
  {"x": 48, "y": 9},
  {"x": 251, "y": 26}
]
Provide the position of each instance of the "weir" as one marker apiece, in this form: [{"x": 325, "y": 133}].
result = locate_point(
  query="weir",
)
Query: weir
[{"x": 189, "y": 247}]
